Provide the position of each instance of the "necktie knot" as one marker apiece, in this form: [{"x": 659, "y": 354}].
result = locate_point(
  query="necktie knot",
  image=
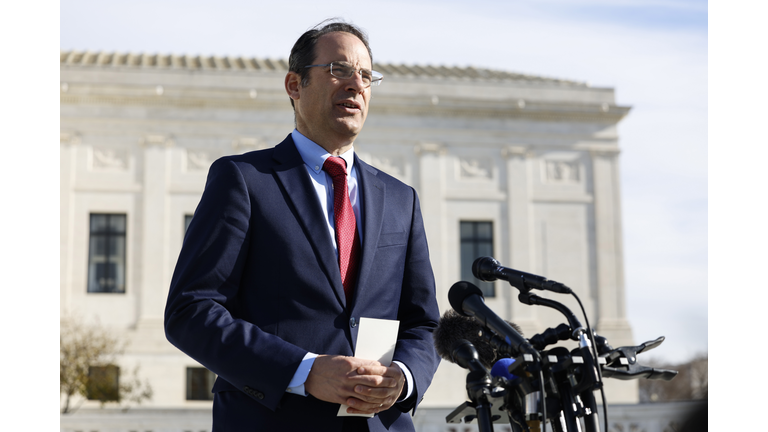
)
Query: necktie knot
[{"x": 335, "y": 166}]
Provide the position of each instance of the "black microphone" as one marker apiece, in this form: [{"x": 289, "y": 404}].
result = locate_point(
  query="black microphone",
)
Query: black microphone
[
  {"x": 467, "y": 299},
  {"x": 488, "y": 269},
  {"x": 465, "y": 355},
  {"x": 454, "y": 327}
]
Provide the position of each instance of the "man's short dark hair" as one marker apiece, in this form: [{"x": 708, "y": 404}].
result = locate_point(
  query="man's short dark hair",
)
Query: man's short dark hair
[{"x": 303, "y": 51}]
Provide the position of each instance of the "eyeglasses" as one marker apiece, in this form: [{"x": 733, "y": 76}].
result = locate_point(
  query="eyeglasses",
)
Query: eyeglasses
[{"x": 345, "y": 70}]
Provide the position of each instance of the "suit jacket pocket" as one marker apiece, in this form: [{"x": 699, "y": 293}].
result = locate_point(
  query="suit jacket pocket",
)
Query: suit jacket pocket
[{"x": 393, "y": 239}]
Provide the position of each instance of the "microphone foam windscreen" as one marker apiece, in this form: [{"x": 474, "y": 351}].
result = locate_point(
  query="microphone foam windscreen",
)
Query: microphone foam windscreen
[
  {"x": 501, "y": 369},
  {"x": 454, "y": 327}
]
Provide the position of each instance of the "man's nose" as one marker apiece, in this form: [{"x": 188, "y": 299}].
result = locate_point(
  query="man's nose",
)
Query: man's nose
[{"x": 355, "y": 83}]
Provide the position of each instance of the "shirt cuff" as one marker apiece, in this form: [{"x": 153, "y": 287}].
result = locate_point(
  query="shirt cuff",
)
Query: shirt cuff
[
  {"x": 408, "y": 380},
  {"x": 296, "y": 386}
]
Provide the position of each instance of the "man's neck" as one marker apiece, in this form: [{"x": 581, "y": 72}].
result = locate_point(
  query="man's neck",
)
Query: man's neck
[
  {"x": 335, "y": 147},
  {"x": 337, "y": 150},
  {"x": 298, "y": 136}
]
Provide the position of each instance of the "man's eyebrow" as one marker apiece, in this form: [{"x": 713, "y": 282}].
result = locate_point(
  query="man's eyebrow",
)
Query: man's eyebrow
[{"x": 346, "y": 63}]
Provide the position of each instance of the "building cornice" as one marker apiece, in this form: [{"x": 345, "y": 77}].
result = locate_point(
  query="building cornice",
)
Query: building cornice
[
  {"x": 255, "y": 65},
  {"x": 540, "y": 111},
  {"x": 165, "y": 81}
]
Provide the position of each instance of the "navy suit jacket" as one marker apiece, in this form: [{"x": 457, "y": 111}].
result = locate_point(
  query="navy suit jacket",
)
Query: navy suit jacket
[{"x": 257, "y": 286}]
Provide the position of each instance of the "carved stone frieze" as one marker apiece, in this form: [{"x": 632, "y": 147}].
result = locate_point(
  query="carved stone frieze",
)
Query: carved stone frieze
[
  {"x": 198, "y": 160},
  {"x": 561, "y": 171},
  {"x": 475, "y": 168},
  {"x": 104, "y": 159}
]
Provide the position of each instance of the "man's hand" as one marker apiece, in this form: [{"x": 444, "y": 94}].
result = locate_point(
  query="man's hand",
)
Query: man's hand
[
  {"x": 373, "y": 399},
  {"x": 366, "y": 386}
]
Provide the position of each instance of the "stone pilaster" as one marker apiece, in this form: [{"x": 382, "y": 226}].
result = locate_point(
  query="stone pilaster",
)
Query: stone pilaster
[
  {"x": 521, "y": 229},
  {"x": 612, "y": 321},
  {"x": 155, "y": 277},
  {"x": 69, "y": 143},
  {"x": 431, "y": 186}
]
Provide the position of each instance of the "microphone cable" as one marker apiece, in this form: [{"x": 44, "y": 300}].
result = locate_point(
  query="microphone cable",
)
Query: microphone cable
[{"x": 597, "y": 359}]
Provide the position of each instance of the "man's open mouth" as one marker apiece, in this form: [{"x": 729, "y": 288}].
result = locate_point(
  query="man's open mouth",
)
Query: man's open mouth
[{"x": 350, "y": 104}]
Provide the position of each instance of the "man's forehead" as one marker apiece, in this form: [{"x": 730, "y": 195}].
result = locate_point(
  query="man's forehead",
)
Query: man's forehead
[{"x": 335, "y": 43}]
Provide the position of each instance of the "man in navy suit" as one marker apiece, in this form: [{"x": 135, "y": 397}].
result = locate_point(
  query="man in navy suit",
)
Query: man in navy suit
[{"x": 267, "y": 295}]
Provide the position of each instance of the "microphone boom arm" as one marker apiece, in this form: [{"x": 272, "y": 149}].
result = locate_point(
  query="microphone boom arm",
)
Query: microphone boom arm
[{"x": 533, "y": 299}]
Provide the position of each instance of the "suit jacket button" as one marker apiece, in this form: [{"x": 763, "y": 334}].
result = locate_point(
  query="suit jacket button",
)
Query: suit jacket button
[
  {"x": 259, "y": 395},
  {"x": 352, "y": 322}
]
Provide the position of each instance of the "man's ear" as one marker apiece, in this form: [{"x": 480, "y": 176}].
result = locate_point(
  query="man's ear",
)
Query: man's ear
[{"x": 292, "y": 84}]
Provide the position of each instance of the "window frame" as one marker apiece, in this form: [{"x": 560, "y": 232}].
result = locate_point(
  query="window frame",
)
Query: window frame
[{"x": 111, "y": 237}]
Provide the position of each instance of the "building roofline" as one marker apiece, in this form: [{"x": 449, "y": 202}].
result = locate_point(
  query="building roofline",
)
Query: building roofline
[{"x": 74, "y": 58}]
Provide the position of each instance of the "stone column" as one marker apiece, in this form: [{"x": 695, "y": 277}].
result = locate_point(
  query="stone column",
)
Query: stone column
[
  {"x": 67, "y": 159},
  {"x": 521, "y": 229},
  {"x": 611, "y": 309},
  {"x": 431, "y": 162},
  {"x": 155, "y": 277}
]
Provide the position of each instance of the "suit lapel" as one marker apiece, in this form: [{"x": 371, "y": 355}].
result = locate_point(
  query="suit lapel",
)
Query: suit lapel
[
  {"x": 373, "y": 191},
  {"x": 291, "y": 172}
]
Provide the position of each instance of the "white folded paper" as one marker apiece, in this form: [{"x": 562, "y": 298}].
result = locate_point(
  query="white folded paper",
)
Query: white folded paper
[{"x": 376, "y": 339}]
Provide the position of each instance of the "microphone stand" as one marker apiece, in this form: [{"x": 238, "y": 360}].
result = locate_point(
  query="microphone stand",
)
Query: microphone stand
[
  {"x": 587, "y": 372},
  {"x": 479, "y": 390},
  {"x": 478, "y": 385}
]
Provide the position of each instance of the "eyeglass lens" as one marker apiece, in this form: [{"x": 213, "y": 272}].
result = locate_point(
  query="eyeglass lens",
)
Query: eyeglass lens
[{"x": 345, "y": 71}]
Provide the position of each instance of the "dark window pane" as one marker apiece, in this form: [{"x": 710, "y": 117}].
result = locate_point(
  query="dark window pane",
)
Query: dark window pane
[
  {"x": 484, "y": 230},
  {"x": 476, "y": 241},
  {"x": 117, "y": 223},
  {"x": 199, "y": 383},
  {"x": 106, "y": 254},
  {"x": 98, "y": 245},
  {"x": 467, "y": 230},
  {"x": 484, "y": 249},
  {"x": 98, "y": 223}
]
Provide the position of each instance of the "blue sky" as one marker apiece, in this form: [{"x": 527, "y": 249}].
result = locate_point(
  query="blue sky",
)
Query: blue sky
[{"x": 654, "y": 53}]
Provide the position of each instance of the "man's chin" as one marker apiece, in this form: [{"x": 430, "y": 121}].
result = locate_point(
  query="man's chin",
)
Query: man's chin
[{"x": 350, "y": 127}]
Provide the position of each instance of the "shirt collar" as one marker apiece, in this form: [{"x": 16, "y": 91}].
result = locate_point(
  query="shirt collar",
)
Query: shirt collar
[{"x": 314, "y": 156}]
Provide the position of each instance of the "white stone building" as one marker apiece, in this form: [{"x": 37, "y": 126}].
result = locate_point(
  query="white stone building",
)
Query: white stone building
[{"x": 527, "y": 166}]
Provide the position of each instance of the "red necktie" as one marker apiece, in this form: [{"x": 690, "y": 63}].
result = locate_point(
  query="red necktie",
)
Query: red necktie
[{"x": 347, "y": 239}]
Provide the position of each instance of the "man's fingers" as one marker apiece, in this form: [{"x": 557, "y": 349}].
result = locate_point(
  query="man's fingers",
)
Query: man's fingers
[
  {"x": 374, "y": 392},
  {"x": 374, "y": 381},
  {"x": 357, "y": 406},
  {"x": 372, "y": 386},
  {"x": 373, "y": 369},
  {"x": 380, "y": 389}
]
